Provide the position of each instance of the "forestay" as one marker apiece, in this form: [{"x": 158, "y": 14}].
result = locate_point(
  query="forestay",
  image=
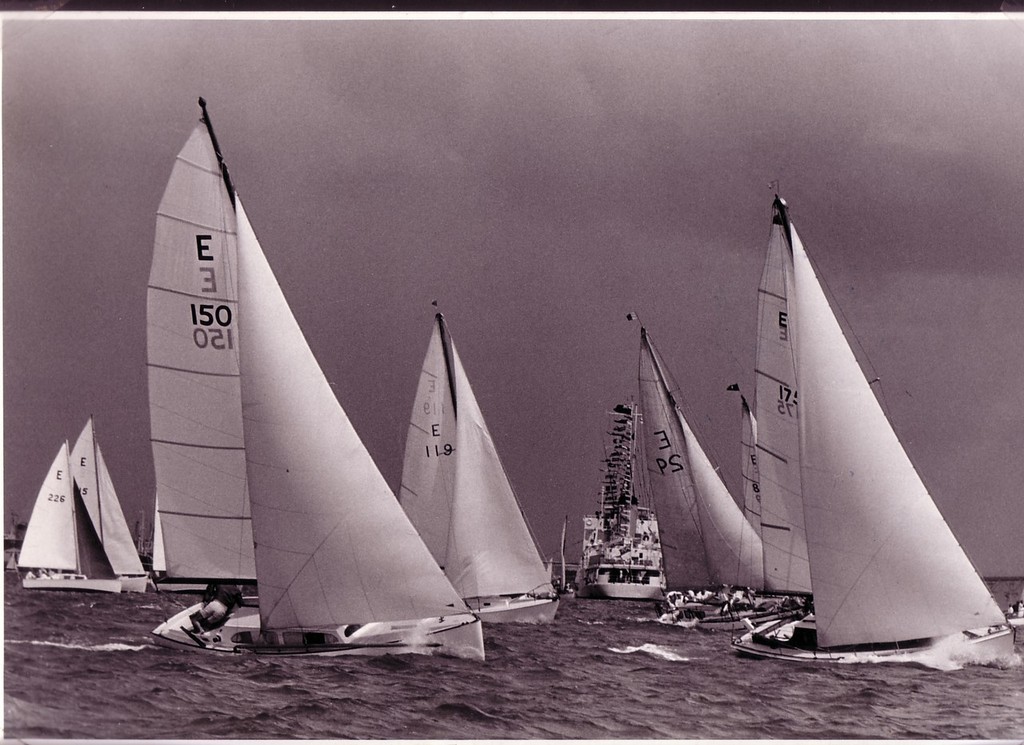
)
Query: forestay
[
  {"x": 194, "y": 394},
  {"x": 318, "y": 500}
]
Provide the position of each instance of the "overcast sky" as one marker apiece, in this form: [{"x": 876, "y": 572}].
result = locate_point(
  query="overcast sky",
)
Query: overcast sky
[{"x": 540, "y": 179}]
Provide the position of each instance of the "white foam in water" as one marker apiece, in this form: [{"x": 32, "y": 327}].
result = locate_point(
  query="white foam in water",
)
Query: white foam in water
[
  {"x": 112, "y": 647},
  {"x": 952, "y": 653},
  {"x": 654, "y": 650}
]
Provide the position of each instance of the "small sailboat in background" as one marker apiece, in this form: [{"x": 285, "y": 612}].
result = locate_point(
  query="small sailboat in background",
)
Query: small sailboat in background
[
  {"x": 456, "y": 492},
  {"x": 62, "y": 550},
  {"x": 713, "y": 555},
  {"x": 339, "y": 567},
  {"x": 622, "y": 554},
  {"x": 889, "y": 579},
  {"x": 96, "y": 488}
]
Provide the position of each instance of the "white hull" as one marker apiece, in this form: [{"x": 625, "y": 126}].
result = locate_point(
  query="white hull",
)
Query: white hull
[
  {"x": 459, "y": 635},
  {"x": 776, "y": 641},
  {"x": 72, "y": 582},
  {"x": 134, "y": 584},
  {"x": 522, "y": 609},
  {"x": 620, "y": 591}
]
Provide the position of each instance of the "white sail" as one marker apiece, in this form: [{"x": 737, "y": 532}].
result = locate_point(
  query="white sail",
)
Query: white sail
[
  {"x": 778, "y": 416},
  {"x": 50, "y": 540},
  {"x": 749, "y": 468},
  {"x": 159, "y": 559},
  {"x": 687, "y": 487},
  {"x": 195, "y": 403},
  {"x": 455, "y": 486},
  {"x": 885, "y": 567},
  {"x": 89, "y": 471},
  {"x": 427, "y": 491},
  {"x": 333, "y": 545}
]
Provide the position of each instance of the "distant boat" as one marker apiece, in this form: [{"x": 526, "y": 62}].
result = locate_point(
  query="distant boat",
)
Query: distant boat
[
  {"x": 339, "y": 567},
  {"x": 456, "y": 492},
  {"x": 62, "y": 550},
  {"x": 713, "y": 555},
  {"x": 89, "y": 472},
  {"x": 889, "y": 578},
  {"x": 622, "y": 551}
]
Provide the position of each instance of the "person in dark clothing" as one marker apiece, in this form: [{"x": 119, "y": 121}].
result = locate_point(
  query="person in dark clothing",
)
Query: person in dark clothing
[{"x": 218, "y": 602}]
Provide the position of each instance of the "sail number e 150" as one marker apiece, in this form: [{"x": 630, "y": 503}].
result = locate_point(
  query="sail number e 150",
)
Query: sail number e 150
[{"x": 205, "y": 316}]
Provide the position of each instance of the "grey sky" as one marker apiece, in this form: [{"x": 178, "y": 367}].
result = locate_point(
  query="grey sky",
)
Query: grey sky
[{"x": 540, "y": 179}]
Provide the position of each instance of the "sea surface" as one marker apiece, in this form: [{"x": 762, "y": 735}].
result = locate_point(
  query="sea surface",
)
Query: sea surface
[{"x": 79, "y": 665}]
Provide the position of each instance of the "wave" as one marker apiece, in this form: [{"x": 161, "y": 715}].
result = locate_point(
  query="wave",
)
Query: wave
[
  {"x": 654, "y": 650},
  {"x": 109, "y": 647}
]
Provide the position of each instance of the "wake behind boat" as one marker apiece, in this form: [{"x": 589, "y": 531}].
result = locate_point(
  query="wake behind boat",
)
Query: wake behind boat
[
  {"x": 456, "y": 492},
  {"x": 340, "y": 569},
  {"x": 888, "y": 576}
]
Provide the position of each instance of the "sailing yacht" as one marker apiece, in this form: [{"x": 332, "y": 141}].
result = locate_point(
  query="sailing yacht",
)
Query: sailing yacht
[
  {"x": 713, "y": 555},
  {"x": 889, "y": 579},
  {"x": 622, "y": 557},
  {"x": 62, "y": 550},
  {"x": 90, "y": 474},
  {"x": 456, "y": 492},
  {"x": 339, "y": 568}
]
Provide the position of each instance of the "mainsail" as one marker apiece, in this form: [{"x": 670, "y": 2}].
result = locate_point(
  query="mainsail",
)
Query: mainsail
[
  {"x": 89, "y": 471},
  {"x": 884, "y": 564},
  {"x": 777, "y": 408},
  {"x": 318, "y": 500},
  {"x": 705, "y": 538},
  {"x": 455, "y": 489},
  {"x": 194, "y": 393},
  {"x": 50, "y": 540}
]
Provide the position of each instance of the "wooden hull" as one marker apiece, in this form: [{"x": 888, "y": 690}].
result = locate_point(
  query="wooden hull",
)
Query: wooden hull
[
  {"x": 72, "y": 583},
  {"x": 777, "y": 641},
  {"x": 459, "y": 635},
  {"x": 522, "y": 609}
]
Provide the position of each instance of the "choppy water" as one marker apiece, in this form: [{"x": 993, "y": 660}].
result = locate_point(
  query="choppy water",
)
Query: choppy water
[{"x": 81, "y": 665}]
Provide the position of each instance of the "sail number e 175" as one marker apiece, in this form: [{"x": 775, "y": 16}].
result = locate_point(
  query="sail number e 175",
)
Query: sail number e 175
[{"x": 204, "y": 317}]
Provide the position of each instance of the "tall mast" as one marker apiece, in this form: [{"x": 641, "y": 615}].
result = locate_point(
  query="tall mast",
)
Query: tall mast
[
  {"x": 96, "y": 467},
  {"x": 446, "y": 347},
  {"x": 216, "y": 149}
]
